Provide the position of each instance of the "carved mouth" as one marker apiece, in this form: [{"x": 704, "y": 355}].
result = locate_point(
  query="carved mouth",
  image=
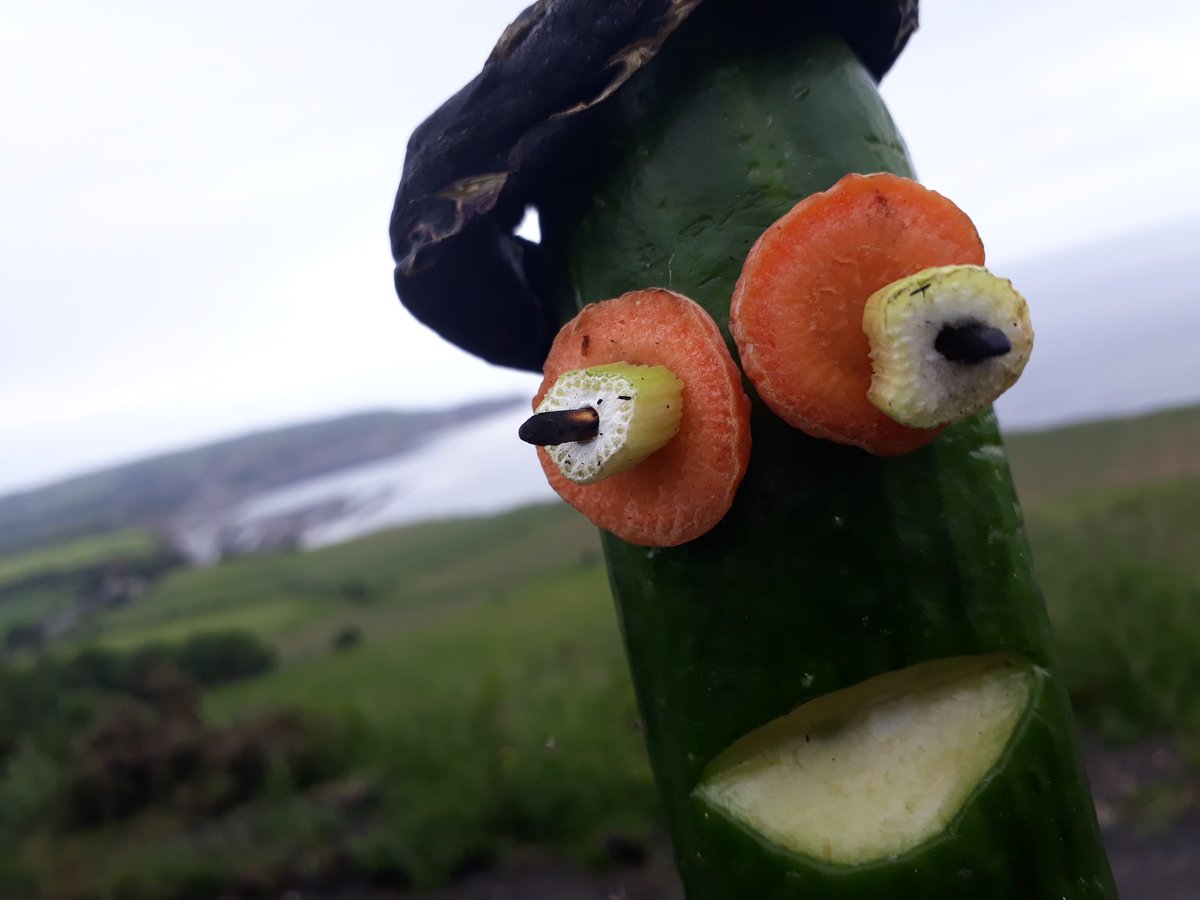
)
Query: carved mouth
[{"x": 876, "y": 769}]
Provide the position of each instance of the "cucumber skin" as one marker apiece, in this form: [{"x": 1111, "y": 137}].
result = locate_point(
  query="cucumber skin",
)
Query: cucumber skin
[{"x": 833, "y": 566}]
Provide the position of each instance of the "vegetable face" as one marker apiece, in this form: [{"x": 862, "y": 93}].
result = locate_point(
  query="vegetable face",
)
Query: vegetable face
[
  {"x": 833, "y": 568},
  {"x": 838, "y": 588}
]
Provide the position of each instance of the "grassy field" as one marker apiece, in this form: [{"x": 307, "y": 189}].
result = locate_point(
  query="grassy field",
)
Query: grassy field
[
  {"x": 1091, "y": 456},
  {"x": 46, "y": 580},
  {"x": 74, "y": 554},
  {"x": 1113, "y": 510},
  {"x": 488, "y": 643},
  {"x": 295, "y": 597},
  {"x": 481, "y": 701},
  {"x": 1121, "y": 573},
  {"x": 543, "y": 735}
]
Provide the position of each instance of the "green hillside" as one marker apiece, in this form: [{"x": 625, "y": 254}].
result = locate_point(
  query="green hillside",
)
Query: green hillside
[
  {"x": 73, "y": 555},
  {"x": 409, "y": 706},
  {"x": 463, "y": 692},
  {"x": 52, "y": 582},
  {"x": 1121, "y": 575},
  {"x": 148, "y": 492},
  {"x": 479, "y": 643},
  {"x": 1062, "y": 461}
]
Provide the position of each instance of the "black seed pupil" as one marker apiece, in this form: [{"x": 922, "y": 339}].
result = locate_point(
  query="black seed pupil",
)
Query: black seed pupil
[
  {"x": 560, "y": 426},
  {"x": 971, "y": 343}
]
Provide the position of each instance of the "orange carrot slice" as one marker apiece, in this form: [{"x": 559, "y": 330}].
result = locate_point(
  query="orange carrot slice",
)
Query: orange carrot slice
[
  {"x": 682, "y": 490},
  {"x": 797, "y": 310}
]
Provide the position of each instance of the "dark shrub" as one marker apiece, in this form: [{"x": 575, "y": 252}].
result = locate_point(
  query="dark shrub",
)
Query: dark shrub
[
  {"x": 347, "y": 637},
  {"x": 24, "y": 636},
  {"x": 134, "y": 758},
  {"x": 356, "y": 590},
  {"x": 222, "y": 656},
  {"x": 101, "y": 669}
]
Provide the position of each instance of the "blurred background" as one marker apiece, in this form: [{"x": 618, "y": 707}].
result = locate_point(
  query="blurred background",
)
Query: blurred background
[{"x": 221, "y": 675}]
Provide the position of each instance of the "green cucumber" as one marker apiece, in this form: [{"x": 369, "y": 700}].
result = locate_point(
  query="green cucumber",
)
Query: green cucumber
[{"x": 834, "y": 567}]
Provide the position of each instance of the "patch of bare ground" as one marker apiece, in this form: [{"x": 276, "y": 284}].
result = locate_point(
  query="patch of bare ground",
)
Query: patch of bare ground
[
  {"x": 653, "y": 878},
  {"x": 1148, "y": 804}
]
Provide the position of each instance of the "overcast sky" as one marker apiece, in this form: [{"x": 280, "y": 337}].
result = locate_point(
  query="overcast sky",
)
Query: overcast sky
[{"x": 194, "y": 196}]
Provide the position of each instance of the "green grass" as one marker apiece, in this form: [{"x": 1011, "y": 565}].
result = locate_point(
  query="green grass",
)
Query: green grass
[
  {"x": 272, "y": 617},
  {"x": 1091, "y": 456},
  {"x": 489, "y": 704},
  {"x": 75, "y": 554},
  {"x": 1113, "y": 510},
  {"x": 1121, "y": 573},
  {"x": 380, "y": 583},
  {"x": 488, "y": 701},
  {"x": 34, "y": 603},
  {"x": 157, "y": 857},
  {"x": 511, "y": 719}
]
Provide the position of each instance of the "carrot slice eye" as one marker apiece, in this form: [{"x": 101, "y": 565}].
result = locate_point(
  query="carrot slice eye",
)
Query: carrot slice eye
[
  {"x": 797, "y": 310},
  {"x": 681, "y": 489}
]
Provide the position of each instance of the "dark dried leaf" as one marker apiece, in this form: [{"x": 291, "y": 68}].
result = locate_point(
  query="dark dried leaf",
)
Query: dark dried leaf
[{"x": 472, "y": 165}]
